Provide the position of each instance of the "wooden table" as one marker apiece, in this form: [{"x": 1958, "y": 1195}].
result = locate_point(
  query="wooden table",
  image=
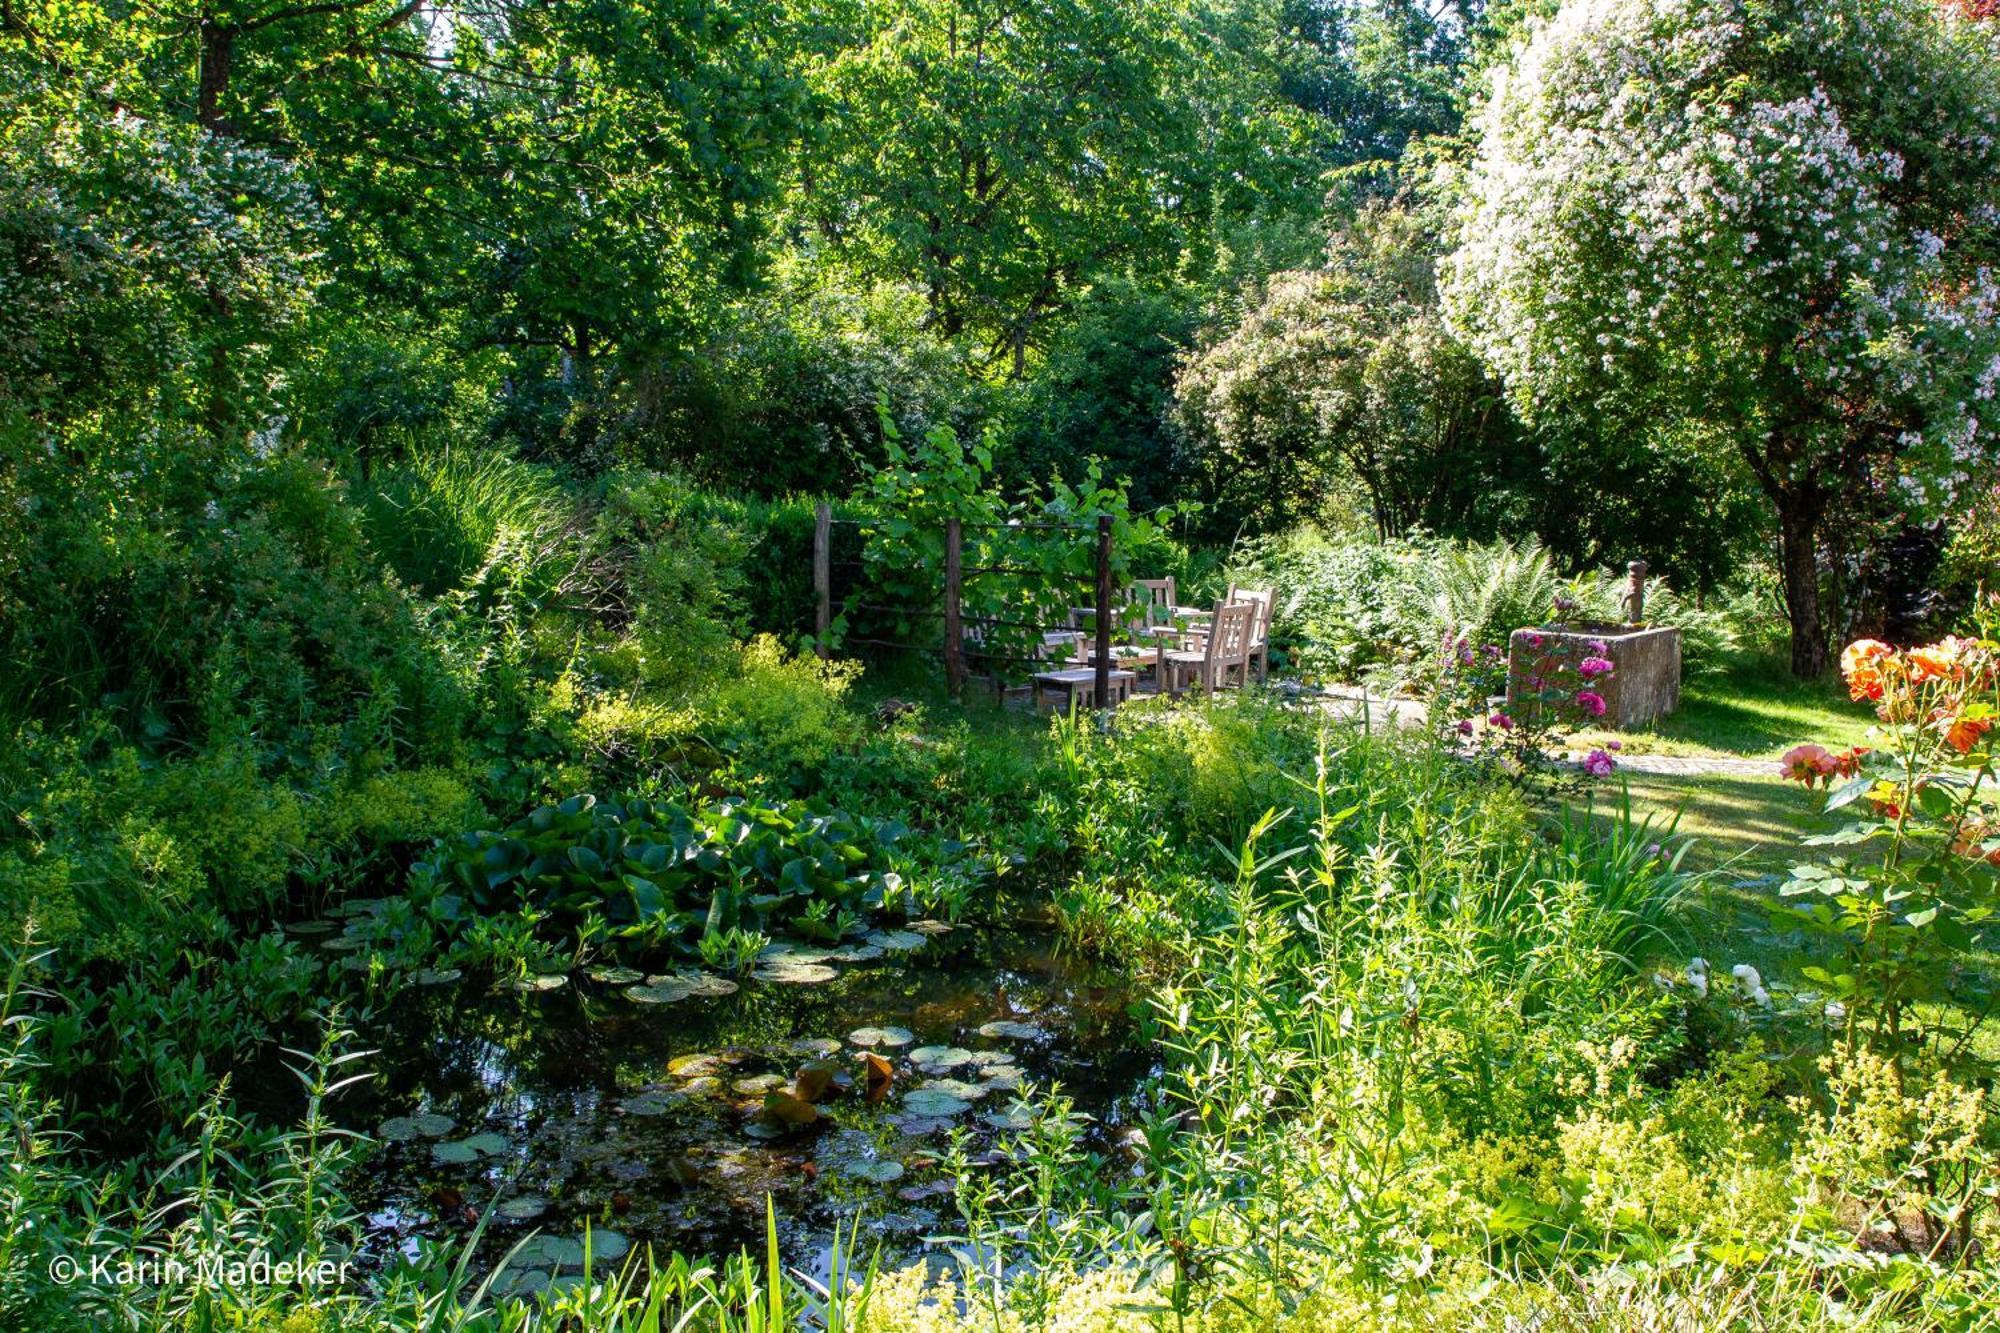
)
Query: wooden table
[{"x": 1080, "y": 685}]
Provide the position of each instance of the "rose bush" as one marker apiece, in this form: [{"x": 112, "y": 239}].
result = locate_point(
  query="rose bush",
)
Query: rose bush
[{"x": 1905, "y": 923}]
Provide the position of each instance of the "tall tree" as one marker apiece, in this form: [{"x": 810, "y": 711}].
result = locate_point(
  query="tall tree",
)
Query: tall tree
[
  {"x": 1004, "y": 154},
  {"x": 1776, "y": 222},
  {"x": 1345, "y": 375},
  {"x": 576, "y": 177}
]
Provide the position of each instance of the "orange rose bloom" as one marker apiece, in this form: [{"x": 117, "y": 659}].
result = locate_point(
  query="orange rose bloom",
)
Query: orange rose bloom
[
  {"x": 1861, "y": 664},
  {"x": 1937, "y": 661},
  {"x": 1962, "y": 733}
]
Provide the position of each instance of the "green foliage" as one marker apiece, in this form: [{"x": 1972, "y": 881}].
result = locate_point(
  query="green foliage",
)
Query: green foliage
[
  {"x": 780, "y": 716},
  {"x": 783, "y": 396},
  {"x": 1105, "y": 394},
  {"x": 439, "y": 519},
  {"x": 1006, "y": 159},
  {"x": 1344, "y": 376},
  {"x": 1034, "y": 558},
  {"x": 1746, "y": 250},
  {"x": 649, "y": 877}
]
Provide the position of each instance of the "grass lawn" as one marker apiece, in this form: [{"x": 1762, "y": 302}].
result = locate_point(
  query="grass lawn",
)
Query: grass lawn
[
  {"x": 1751, "y": 708},
  {"x": 1748, "y": 824}
]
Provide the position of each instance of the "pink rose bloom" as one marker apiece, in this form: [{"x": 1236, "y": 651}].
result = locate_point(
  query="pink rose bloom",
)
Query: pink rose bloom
[
  {"x": 1599, "y": 764},
  {"x": 1808, "y": 764},
  {"x": 1465, "y": 727},
  {"x": 1591, "y": 702},
  {"x": 1594, "y": 666},
  {"x": 1614, "y": 745},
  {"x": 1598, "y": 648},
  {"x": 1502, "y": 721},
  {"x": 1534, "y": 640}
]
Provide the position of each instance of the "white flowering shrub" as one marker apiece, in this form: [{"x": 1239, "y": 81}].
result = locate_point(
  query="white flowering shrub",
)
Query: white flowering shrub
[{"x": 1778, "y": 219}]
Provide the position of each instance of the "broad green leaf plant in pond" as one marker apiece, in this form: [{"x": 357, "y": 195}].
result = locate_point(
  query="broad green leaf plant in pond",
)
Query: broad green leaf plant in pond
[{"x": 649, "y": 877}]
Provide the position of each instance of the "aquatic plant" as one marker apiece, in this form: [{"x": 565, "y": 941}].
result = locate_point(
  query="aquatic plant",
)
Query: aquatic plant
[{"x": 653, "y": 875}]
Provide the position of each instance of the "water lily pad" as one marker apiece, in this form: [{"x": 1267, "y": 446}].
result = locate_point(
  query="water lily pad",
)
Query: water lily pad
[
  {"x": 669, "y": 992},
  {"x": 882, "y": 1036},
  {"x": 452, "y": 1154},
  {"x": 652, "y": 1103},
  {"x": 607, "y": 1246},
  {"x": 519, "y": 1283},
  {"x": 1017, "y": 1116},
  {"x": 930, "y": 927},
  {"x": 758, "y": 1084},
  {"x": 343, "y": 944},
  {"x": 940, "y": 1057},
  {"x": 540, "y": 981},
  {"x": 435, "y": 976},
  {"x": 919, "y": 1126},
  {"x": 486, "y": 1143},
  {"x": 707, "y": 1085},
  {"x": 931, "y": 1102},
  {"x": 897, "y": 941},
  {"x": 857, "y": 953},
  {"x": 708, "y": 985},
  {"x": 403, "y": 1128},
  {"x": 312, "y": 930},
  {"x": 952, "y": 1087},
  {"x": 1000, "y": 1078},
  {"x": 616, "y": 976},
  {"x": 763, "y": 1131},
  {"x": 698, "y": 1065},
  {"x": 785, "y": 951},
  {"x": 989, "y": 1059},
  {"x": 814, "y": 1048},
  {"x": 878, "y": 1171},
  {"x": 524, "y": 1208},
  {"x": 360, "y": 907},
  {"x": 791, "y": 973},
  {"x": 1012, "y": 1031},
  {"x": 550, "y": 1252}
]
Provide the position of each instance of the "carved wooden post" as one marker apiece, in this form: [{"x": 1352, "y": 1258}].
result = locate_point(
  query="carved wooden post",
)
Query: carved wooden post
[
  {"x": 822, "y": 574},
  {"x": 954, "y": 636},
  {"x": 1635, "y": 599},
  {"x": 1103, "y": 682}
]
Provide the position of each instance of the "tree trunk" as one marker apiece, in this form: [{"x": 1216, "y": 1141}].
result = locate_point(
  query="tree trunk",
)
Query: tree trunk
[
  {"x": 1798, "y": 555},
  {"x": 218, "y": 53}
]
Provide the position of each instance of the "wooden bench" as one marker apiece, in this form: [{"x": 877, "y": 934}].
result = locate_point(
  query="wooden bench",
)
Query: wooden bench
[{"x": 1080, "y": 686}]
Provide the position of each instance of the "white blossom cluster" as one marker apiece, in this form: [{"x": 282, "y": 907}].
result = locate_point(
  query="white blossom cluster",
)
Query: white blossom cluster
[{"x": 1713, "y": 207}]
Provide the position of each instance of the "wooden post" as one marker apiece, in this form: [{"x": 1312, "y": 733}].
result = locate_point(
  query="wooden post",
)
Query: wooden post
[
  {"x": 954, "y": 633},
  {"x": 822, "y": 574},
  {"x": 1635, "y": 598},
  {"x": 1103, "y": 611}
]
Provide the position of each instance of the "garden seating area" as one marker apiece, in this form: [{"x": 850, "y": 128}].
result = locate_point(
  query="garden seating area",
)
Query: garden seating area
[{"x": 1159, "y": 646}]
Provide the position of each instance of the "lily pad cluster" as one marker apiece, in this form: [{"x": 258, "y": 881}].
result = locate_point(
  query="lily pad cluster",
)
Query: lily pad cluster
[{"x": 659, "y": 873}]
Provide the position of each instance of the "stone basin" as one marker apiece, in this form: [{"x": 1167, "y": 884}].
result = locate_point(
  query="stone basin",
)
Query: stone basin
[{"x": 1645, "y": 682}]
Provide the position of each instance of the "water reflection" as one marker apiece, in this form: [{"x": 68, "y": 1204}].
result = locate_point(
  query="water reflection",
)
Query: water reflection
[{"x": 578, "y": 1104}]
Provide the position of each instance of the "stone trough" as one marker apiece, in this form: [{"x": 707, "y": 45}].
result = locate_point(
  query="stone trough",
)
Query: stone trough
[{"x": 1645, "y": 682}]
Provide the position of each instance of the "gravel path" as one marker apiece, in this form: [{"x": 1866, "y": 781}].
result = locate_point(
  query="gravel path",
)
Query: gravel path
[
  {"x": 1385, "y": 712},
  {"x": 1680, "y": 765}
]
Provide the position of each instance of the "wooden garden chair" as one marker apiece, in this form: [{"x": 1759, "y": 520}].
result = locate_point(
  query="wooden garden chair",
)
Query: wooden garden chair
[
  {"x": 1154, "y": 598},
  {"x": 1225, "y": 648},
  {"x": 1264, "y": 599}
]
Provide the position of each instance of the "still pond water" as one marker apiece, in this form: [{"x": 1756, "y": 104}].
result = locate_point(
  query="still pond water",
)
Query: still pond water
[{"x": 667, "y": 1119}]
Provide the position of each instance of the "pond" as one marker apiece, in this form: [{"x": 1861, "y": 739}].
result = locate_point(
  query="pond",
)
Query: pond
[{"x": 667, "y": 1116}]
